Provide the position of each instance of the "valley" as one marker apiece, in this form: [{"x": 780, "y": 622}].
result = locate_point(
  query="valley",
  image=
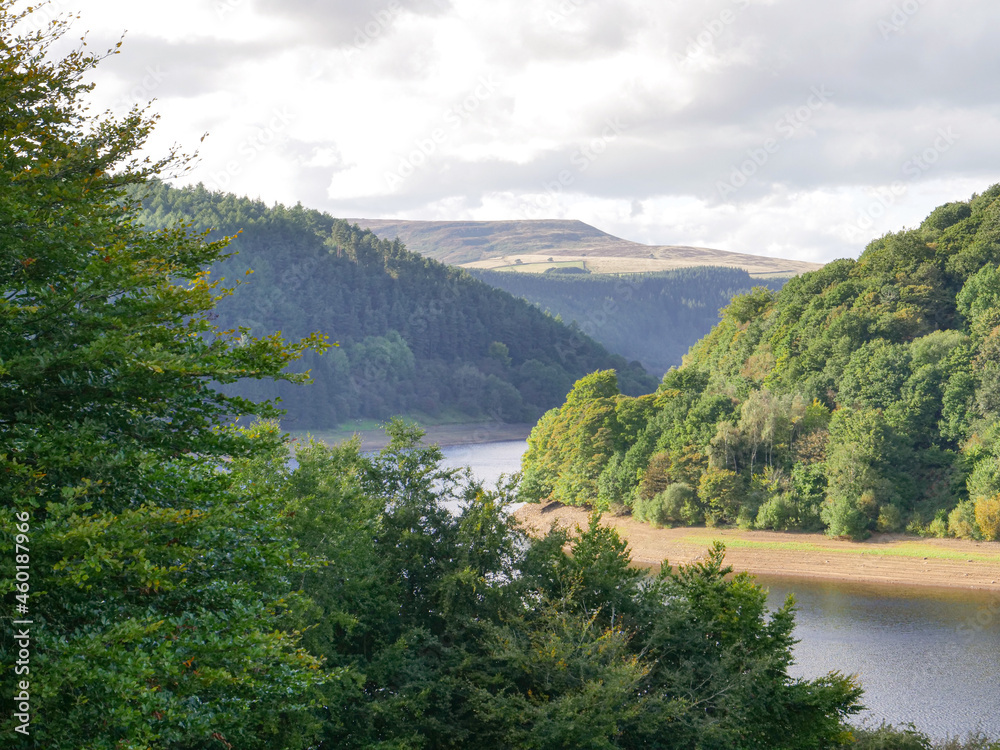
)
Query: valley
[{"x": 277, "y": 480}]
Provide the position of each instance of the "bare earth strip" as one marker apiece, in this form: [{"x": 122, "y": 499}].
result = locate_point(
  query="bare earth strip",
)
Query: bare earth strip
[{"x": 883, "y": 559}]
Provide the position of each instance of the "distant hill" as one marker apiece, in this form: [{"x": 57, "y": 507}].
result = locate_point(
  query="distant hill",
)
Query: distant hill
[
  {"x": 416, "y": 337},
  {"x": 535, "y": 246},
  {"x": 652, "y": 317}
]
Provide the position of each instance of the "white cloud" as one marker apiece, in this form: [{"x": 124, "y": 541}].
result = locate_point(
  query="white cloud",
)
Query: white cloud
[{"x": 369, "y": 89}]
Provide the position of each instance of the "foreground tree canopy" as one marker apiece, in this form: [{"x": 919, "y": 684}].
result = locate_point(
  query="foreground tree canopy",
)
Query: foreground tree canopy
[
  {"x": 449, "y": 628},
  {"x": 863, "y": 396},
  {"x": 156, "y": 590}
]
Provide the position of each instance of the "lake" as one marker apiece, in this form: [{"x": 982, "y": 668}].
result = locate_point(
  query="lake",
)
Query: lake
[
  {"x": 488, "y": 460},
  {"x": 926, "y": 656}
]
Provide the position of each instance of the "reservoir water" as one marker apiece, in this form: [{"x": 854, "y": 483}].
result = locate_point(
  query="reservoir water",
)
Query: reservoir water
[
  {"x": 487, "y": 460},
  {"x": 924, "y": 656}
]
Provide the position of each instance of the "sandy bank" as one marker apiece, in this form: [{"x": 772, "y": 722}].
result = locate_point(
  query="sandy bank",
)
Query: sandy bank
[{"x": 883, "y": 559}]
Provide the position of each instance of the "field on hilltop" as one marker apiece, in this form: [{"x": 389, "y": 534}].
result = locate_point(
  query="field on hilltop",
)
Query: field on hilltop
[{"x": 534, "y": 246}]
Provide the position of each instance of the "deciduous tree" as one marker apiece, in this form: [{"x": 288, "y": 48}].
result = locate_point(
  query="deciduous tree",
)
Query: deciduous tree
[{"x": 157, "y": 582}]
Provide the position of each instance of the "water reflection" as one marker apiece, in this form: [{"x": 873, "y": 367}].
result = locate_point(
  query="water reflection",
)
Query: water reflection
[
  {"x": 488, "y": 460},
  {"x": 926, "y": 656}
]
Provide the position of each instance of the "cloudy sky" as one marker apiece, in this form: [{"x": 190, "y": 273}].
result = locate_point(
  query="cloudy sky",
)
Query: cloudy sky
[{"x": 793, "y": 128}]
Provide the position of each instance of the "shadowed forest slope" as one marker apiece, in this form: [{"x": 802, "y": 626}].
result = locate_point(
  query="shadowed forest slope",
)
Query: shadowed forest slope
[{"x": 415, "y": 336}]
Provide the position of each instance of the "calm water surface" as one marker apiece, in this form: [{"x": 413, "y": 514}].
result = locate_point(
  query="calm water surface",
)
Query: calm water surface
[
  {"x": 488, "y": 460},
  {"x": 926, "y": 656}
]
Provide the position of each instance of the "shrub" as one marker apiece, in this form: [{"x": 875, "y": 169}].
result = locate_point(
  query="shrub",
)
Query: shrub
[
  {"x": 721, "y": 492},
  {"x": 887, "y": 737},
  {"x": 987, "y": 510},
  {"x": 650, "y": 510},
  {"x": 868, "y": 504},
  {"x": 890, "y": 518},
  {"x": 972, "y": 741},
  {"x": 808, "y": 490},
  {"x": 747, "y": 516},
  {"x": 676, "y": 504},
  {"x": 938, "y": 527},
  {"x": 962, "y": 521},
  {"x": 778, "y": 513},
  {"x": 844, "y": 519}
]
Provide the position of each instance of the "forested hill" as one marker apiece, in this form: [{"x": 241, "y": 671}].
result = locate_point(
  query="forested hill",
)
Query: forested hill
[
  {"x": 416, "y": 336},
  {"x": 653, "y": 318},
  {"x": 863, "y": 396}
]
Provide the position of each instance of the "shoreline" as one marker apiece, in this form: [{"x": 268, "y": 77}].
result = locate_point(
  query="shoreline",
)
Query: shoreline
[
  {"x": 884, "y": 559},
  {"x": 444, "y": 435}
]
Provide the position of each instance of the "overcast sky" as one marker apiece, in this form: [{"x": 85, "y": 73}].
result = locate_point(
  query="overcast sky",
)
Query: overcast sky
[{"x": 793, "y": 128}]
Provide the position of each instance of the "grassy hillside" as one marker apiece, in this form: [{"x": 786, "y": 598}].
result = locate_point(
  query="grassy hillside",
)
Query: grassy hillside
[
  {"x": 534, "y": 246},
  {"x": 416, "y": 337},
  {"x": 862, "y": 396}
]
